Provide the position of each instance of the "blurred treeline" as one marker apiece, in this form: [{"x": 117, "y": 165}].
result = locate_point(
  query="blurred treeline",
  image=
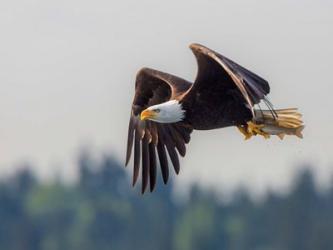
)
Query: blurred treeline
[{"x": 101, "y": 211}]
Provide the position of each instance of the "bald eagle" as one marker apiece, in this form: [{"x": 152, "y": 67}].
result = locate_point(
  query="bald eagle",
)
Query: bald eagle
[{"x": 166, "y": 109}]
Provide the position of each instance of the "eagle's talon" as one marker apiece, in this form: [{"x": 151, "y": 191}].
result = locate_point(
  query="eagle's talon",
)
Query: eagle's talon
[
  {"x": 245, "y": 132},
  {"x": 256, "y": 129}
]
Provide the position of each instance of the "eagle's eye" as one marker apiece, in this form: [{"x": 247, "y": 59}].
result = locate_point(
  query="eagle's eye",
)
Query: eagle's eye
[{"x": 157, "y": 110}]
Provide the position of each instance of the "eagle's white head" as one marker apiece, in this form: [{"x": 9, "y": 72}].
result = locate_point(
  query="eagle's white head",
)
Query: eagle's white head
[{"x": 166, "y": 112}]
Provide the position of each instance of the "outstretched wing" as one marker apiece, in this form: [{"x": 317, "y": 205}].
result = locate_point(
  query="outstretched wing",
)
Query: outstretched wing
[
  {"x": 153, "y": 87},
  {"x": 218, "y": 74}
]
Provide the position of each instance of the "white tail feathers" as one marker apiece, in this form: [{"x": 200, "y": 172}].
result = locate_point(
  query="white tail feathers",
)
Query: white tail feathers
[{"x": 283, "y": 122}]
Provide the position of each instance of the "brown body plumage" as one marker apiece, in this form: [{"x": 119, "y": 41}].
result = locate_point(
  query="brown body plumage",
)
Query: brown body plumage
[{"x": 223, "y": 94}]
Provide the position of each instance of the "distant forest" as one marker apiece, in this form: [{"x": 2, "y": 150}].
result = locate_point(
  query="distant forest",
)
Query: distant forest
[{"x": 101, "y": 211}]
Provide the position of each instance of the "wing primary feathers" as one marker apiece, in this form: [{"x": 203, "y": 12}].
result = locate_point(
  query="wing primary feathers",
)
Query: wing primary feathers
[
  {"x": 177, "y": 138},
  {"x": 130, "y": 137},
  {"x": 152, "y": 166},
  {"x": 171, "y": 149},
  {"x": 145, "y": 163},
  {"x": 136, "y": 157},
  {"x": 163, "y": 160},
  {"x": 252, "y": 87},
  {"x": 259, "y": 82},
  {"x": 184, "y": 132},
  {"x": 174, "y": 157},
  {"x": 256, "y": 86}
]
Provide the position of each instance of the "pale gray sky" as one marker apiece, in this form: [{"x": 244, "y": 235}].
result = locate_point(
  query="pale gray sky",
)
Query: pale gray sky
[{"x": 67, "y": 70}]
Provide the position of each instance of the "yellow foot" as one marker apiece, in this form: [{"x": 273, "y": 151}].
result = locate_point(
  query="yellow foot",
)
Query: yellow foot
[
  {"x": 256, "y": 129},
  {"x": 245, "y": 132},
  {"x": 252, "y": 129}
]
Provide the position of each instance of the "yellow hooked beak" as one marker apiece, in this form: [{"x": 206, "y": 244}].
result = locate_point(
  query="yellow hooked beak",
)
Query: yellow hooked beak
[{"x": 147, "y": 114}]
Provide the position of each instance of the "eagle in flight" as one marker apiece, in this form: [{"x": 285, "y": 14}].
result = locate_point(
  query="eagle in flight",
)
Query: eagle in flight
[{"x": 166, "y": 109}]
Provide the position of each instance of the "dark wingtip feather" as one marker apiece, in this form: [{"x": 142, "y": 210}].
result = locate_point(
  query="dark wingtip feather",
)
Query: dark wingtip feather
[
  {"x": 163, "y": 161},
  {"x": 129, "y": 140},
  {"x": 152, "y": 166},
  {"x": 256, "y": 86},
  {"x": 174, "y": 158},
  {"x": 136, "y": 157},
  {"x": 145, "y": 164},
  {"x": 178, "y": 140},
  {"x": 170, "y": 147}
]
